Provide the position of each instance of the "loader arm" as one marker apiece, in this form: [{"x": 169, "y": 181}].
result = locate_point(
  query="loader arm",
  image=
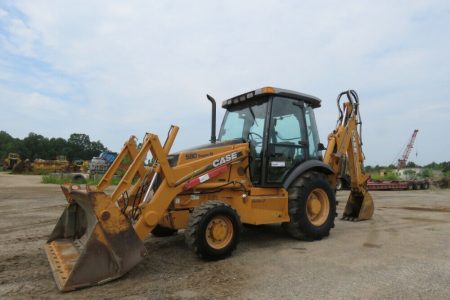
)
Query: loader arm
[
  {"x": 99, "y": 237},
  {"x": 345, "y": 141},
  {"x": 130, "y": 149}
]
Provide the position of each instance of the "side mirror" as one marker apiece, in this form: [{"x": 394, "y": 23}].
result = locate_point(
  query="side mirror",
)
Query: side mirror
[{"x": 321, "y": 147}]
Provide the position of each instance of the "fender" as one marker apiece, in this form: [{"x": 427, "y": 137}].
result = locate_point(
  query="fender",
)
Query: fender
[{"x": 316, "y": 165}]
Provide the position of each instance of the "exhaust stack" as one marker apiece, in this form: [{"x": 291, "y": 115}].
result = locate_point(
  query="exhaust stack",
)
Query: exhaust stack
[{"x": 213, "y": 119}]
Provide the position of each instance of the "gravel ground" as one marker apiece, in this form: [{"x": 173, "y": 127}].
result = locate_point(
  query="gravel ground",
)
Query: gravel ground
[{"x": 402, "y": 253}]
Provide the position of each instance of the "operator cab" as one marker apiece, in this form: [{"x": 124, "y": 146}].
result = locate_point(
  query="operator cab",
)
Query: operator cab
[{"x": 279, "y": 126}]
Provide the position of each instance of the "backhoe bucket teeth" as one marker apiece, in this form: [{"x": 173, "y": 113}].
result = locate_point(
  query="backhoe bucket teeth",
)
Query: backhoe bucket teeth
[
  {"x": 92, "y": 243},
  {"x": 359, "y": 207}
]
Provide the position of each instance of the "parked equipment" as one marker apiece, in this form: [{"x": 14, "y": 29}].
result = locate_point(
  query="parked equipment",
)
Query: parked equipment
[
  {"x": 411, "y": 183},
  {"x": 60, "y": 164},
  {"x": 390, "y": 185},
  {"x": 401, "y": 164},
  {"x": 10, "y": 161},
  {"x": 100, "y": 164},
  {"x": 265, "y": 167}
]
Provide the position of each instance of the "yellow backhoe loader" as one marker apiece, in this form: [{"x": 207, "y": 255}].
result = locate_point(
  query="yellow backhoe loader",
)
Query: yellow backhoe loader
[{"x": 265, "y": 167}]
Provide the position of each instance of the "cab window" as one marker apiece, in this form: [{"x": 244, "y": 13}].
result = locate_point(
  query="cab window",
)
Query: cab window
[{"x": 286, "y": 146}]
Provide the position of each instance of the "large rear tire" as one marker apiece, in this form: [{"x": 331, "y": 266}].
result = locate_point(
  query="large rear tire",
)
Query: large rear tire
[
  {"x": 213, "y": 230},
  {"x": 312, "y": 207}
]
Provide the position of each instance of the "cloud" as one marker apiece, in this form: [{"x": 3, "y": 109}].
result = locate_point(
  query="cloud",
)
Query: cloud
[{"x": 114, "y": 68}]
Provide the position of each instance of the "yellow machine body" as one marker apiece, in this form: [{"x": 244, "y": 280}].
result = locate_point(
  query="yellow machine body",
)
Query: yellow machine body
[
  {"x": 60, "y": 164},
  {"x": 99, "y": 237},
  {"x": 11, "y": 160}
]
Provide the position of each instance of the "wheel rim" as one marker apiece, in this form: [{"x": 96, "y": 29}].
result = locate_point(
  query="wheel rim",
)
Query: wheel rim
[
  {"x": 219, "y": 232},
  {"x": 317, "y": 207}
]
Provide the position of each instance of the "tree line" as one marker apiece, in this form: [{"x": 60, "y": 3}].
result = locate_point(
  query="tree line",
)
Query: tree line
[
  {"x": 77, "y": 146},
  {"x": 442, "y": 166}
]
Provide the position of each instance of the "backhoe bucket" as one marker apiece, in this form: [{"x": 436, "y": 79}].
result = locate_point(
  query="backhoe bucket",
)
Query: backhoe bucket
[
  {"x": 92, "y": 243},
  {"x": 359, "y": 207}
]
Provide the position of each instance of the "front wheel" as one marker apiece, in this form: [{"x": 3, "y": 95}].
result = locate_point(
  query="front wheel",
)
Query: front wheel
[
  {"x": 213, "y": 230},
  {"x": 312, "y": 207}
]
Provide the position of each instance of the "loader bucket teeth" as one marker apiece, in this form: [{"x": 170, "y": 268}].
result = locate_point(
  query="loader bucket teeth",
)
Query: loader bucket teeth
[
  {"x": 359, "y": 207},
  {"x": 92, "y": 243}
]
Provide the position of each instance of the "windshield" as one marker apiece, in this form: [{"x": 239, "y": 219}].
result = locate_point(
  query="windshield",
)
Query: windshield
[{"x": 244, "y": 122}]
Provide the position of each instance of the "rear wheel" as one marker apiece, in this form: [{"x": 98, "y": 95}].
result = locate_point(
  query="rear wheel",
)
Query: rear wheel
[
  {"x": 160, "y": 231},
  {"x": 213, "y": 230},
  {"x": 312, "y": 207}
]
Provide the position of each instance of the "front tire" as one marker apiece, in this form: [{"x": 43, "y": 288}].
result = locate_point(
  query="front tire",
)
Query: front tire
[
  {"x": 312, "y": 207},
  {"x": 213, "y": 230}
]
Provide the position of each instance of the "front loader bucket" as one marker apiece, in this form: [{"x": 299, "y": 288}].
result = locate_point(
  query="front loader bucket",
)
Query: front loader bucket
[
  {"x": 92, "y": 243},
  {"x": 359, "y": 207}
]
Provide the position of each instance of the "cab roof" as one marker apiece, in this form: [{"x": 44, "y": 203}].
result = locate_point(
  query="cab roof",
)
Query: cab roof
[{"x": 311, "y": 100}]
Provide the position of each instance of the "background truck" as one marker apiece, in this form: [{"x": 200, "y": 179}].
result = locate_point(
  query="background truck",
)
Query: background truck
[{"x": 100, "y": 164}]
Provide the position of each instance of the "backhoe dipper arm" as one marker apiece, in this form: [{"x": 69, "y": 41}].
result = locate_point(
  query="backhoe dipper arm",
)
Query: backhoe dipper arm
[{"x": 345, "y": 141}]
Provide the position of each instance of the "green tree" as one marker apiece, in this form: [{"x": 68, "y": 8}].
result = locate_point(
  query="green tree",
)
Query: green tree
[
  {"x": 411, "y": 164},
  {"x": 8, "y": 144},
  {"x": 35, "y": 146},
  {"x": 410, "y": 174},
  {"x": 78, "y": 146},
  {"x": 426, "y": 173},
  {"x": 81, "y": 147}
]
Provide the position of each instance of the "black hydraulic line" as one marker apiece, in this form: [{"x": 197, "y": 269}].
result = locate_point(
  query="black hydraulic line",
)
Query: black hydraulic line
[
  {"x": 353, "y": 98},
  {"x": 359, "y": 120}
]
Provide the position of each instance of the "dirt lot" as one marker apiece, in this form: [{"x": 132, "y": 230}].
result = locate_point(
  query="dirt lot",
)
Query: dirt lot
[{"x": 403, "y": 252}]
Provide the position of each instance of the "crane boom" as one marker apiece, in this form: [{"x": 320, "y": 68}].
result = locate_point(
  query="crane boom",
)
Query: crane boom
[{"x": 403, "y": 160}]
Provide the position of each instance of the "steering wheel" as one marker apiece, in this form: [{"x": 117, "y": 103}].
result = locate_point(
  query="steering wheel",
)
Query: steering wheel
[{"x": 258, "y": 135}]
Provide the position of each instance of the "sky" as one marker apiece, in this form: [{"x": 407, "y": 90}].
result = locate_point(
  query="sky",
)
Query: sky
[{"x": 112, "y": 69}]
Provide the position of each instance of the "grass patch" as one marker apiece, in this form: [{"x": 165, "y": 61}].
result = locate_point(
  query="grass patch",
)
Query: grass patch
[{"x": 56, "y": 178}]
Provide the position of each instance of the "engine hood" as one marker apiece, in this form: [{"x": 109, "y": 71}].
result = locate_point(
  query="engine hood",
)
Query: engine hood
[{"x": 200, "y": 151}]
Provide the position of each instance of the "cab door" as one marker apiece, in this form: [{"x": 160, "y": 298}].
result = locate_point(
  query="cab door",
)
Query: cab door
[{"x": 287, "y": 144}]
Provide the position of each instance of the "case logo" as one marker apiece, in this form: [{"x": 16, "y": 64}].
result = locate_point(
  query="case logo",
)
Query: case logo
[{"x": 225, "y": 159}]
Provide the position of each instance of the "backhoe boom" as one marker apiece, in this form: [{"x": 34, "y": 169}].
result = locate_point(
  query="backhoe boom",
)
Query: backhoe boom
[{"x": 345, "y": 141}]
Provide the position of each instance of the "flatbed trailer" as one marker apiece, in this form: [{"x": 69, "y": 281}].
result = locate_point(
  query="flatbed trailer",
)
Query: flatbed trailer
[{"x": 398, "y": 185}]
